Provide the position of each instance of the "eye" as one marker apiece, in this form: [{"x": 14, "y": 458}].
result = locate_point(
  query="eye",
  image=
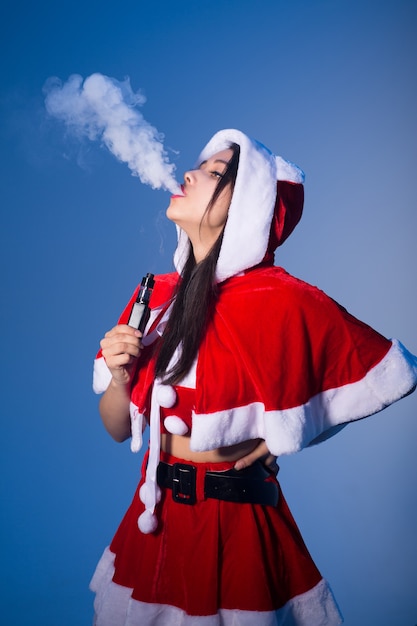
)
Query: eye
[{"x": 216, "y": 174}]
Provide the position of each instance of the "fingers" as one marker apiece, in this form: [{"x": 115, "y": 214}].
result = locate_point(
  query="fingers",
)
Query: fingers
[
  {"x": 121, "y": 339},
  {"x": 121, "y": 346},
  {"x": 122, "y": 330},
  {"x": 260, "y": 453}
]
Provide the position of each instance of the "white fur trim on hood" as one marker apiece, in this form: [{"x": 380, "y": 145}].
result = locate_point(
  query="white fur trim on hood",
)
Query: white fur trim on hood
[{"x": 247, "y": 230}]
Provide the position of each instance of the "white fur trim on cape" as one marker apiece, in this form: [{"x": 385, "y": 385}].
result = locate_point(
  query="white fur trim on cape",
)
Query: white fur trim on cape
[
  {"x": 101, "y": 375},
  {"x": 114, "y": 606},
  {"x": 291, "y": 430},
  {"x": 252, "y": 206}
]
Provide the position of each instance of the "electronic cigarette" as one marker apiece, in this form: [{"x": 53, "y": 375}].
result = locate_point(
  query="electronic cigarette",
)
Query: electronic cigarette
[{"x": 139, "y": 314}]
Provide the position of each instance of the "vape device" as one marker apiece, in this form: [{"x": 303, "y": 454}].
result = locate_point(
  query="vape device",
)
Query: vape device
[{"x": 139, "y": 314}]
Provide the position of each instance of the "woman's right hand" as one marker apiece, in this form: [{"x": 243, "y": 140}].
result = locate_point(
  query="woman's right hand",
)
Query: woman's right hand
[{"x": 121, "y": 347}]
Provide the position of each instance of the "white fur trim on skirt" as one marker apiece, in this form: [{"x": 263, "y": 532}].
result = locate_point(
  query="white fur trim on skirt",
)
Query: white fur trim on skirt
[{"x": 114, "y": 606}]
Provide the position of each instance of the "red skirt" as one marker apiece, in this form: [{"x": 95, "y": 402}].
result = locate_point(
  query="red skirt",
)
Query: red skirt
[{"x": 213, "y": 558}]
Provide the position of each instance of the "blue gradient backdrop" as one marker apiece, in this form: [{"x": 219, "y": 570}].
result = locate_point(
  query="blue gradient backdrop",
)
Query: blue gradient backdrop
[{"x": 329, "y": 84}]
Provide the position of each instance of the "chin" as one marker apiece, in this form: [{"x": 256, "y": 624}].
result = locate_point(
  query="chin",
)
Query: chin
[
  {"x": 170, "y": 212},
  {"x": 172, "y": 216}
]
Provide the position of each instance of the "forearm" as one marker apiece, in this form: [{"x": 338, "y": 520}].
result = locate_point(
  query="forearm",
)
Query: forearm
[
  {"x": 114, "y": 410},
  {"x": 121, "y": 347}
]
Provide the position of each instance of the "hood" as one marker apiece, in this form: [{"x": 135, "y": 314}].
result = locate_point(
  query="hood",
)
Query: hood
[{"x": 266, "y": 206}]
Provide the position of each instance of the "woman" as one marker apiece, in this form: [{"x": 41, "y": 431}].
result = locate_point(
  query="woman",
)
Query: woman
[{"x": 239, "y": 363}]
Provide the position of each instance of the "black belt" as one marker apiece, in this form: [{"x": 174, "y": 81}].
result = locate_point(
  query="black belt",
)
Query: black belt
[{"x": 248, "y": 485}]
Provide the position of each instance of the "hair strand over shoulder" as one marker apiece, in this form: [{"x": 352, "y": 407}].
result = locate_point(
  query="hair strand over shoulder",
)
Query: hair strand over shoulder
[{"x": 195, "y": 299}]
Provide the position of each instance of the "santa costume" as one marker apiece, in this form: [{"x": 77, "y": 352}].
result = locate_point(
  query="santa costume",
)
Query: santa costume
[{"x": 202, "y": 544}]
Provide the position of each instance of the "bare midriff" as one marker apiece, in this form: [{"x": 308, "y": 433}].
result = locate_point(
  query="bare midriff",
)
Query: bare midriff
[{"x": 179, "y": 446}]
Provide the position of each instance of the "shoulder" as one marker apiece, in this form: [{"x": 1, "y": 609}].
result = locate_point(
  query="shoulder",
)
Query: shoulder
[
  {"x": 271, "y": 299},
  {"x": 273, "y": 283}
]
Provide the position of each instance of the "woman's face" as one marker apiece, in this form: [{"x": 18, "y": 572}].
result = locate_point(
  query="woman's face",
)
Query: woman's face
[{"x": 189, "y": 211}]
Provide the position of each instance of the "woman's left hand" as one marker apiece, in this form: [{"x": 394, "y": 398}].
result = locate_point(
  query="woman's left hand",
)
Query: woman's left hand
[{"x": 260, "y": 453}]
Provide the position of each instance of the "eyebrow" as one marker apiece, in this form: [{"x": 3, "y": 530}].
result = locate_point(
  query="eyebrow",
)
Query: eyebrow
[{"x": 216, "y": 161}]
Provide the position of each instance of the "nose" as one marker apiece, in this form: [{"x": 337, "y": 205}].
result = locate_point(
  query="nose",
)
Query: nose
[{"x": 189, "y": 177}]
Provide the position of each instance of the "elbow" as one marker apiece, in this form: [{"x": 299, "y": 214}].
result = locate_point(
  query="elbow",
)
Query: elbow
[{"x": 119, "y": 436}]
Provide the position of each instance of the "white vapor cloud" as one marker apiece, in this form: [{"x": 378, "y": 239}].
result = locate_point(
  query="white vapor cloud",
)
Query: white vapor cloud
[{"x": 103, "y": 108}]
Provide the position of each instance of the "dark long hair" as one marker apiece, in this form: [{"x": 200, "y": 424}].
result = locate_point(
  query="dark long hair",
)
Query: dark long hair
[{"x": 195, "y": 297}]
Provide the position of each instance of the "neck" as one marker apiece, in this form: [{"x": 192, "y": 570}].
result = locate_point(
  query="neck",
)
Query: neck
[
  {"x": 200, "y": 252},
  {"x": 202, "y": 244}
]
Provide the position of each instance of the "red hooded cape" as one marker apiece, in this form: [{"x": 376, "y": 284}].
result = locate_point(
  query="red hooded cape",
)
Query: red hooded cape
[{"x": 281, "y": 361}]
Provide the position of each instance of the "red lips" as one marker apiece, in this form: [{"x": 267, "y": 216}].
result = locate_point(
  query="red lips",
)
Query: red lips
[{"x": 183, "y": 193}]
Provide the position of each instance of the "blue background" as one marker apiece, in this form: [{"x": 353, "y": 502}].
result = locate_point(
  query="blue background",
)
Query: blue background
[{"x": 329, "y": 84}]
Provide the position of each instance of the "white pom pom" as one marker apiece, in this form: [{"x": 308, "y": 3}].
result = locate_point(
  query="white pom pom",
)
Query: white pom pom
[
  {"x": 143, "y": 493},
  {"x": 166, "y": 396},
  {"x": 147, "y": 522},
  {"x": 175, "y": 425}
]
